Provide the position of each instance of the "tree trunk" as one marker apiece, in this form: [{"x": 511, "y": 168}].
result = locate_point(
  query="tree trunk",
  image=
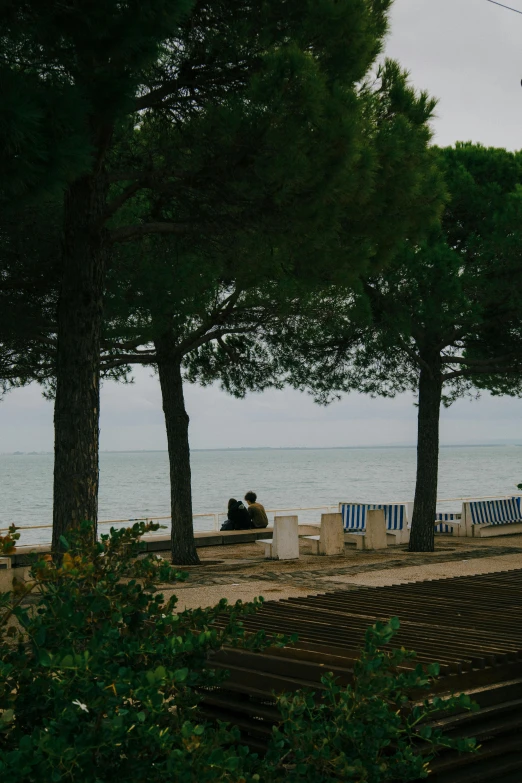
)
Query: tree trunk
[
  {"x": 77, "y": 405},
  {"x": 177, "y": 421},
  {"x": 422, "y": 538}
]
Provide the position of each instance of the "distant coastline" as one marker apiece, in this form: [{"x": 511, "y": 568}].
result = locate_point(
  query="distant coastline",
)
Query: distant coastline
[{"x": 496, "y": 444}]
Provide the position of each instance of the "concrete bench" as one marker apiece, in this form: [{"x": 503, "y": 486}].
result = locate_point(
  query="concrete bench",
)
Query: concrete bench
[
  {"x": 330, "y": 538},
  {"x": 284, "y": 544},
  {"x": 374, "y": 536},
  {"x": 7, "y": 573},
  {"x": 395, "y": 515},
  {"x": 449, "y": 524},
  {"x": 485, "y": 518},
  {"x": 161, "y": 543}
]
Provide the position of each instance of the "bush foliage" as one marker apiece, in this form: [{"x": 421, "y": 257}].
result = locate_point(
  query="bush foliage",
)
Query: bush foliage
[
  {"x": 367, "y": 731},
  {"x": 99, "y": 676}
]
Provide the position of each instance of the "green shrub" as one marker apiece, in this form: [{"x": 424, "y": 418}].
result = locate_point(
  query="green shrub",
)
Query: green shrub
[
  {"x": 8, "y": 542},
  {"x": 99, "y": 677},
  {"x": 368, "y": 731}
]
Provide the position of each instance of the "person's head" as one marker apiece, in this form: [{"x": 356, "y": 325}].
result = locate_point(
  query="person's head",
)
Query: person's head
[
  {"x": 231, "y": 502},
  {"x": 250, "y": 497}
]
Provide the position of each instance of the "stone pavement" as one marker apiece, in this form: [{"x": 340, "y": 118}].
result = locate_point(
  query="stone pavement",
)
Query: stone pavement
[{"x": 240, "y": 572}]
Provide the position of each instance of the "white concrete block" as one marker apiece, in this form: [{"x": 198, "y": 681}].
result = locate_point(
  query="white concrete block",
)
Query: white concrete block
[
  {"x": 467, "y": 523},
  {"x": 285, "y": 543},
  {"x": 375, "y": 529},
  {"x": 488, "y": 531},
  {"x": 286, "y": 539},
  {"x": 331, "y": 539},
  {"x": 6, "y": 578},
  {"x": 375, "y": 535}
]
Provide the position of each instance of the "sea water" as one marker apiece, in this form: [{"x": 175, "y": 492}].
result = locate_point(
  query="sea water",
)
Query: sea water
[{"x": 136, "y": 484}]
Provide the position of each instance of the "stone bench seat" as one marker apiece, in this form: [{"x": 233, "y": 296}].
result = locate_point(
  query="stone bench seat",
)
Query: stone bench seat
[
  {"x": 375, "y": 535},
  {"x": 360, "y": 540},
  {"x": 485, "y": 518},
  {"x": 449, "y": 523},
  {"x": 395, "y": 516},
  {"x": 284, "y": 544},
  {"x": 329, "y": 540},
  {"x": 508, "y": 527}
]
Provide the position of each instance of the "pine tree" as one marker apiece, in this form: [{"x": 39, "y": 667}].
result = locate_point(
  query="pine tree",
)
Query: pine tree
[
  {"x": 210, "y": 300},
  {"x": 197, "y": 314},
  {"x": 441, "y": 319},
  {"x": 279, "y": 83}
]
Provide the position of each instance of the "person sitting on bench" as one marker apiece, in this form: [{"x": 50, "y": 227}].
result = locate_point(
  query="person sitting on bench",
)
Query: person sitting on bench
[
  {"x": 256, "y": 510},
  {"x": 238, "y": 516}
]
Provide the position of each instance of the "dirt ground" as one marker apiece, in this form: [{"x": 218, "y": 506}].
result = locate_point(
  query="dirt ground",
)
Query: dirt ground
[{"x": 240, "y": 571}]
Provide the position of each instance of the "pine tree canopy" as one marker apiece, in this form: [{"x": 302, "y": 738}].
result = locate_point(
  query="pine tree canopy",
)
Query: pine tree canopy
[
  {"x": 263, "y": 136},
  {"x": 450, "y": 297}
]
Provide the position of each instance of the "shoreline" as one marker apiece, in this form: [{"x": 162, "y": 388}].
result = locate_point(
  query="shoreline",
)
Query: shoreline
[{"x": 493, "y": 445}]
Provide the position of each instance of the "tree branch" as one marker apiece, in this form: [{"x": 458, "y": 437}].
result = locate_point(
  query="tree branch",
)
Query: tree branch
[
  {"x": 125, "y": 176},
  {"x": 154, "y": 97},
  {"x": 492, "y": 369},
  {"x": 414, "y": 356},
  {"x": 108, "y": 362},
  {"x": 146, "y": 176},
  {"x": 125, "y": 233},
  {"x": 218, "y": 334},
  {"x": 214, "y": 319},
  {"x": 479, "y": 362},
  {"x": 120, "y": 200},
  {"x": 129, "y": 344},
  {"x": 189, "y": 344}
]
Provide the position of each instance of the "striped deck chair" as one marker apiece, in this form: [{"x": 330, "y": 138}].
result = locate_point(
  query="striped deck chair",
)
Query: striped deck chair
[
  {"x": 354, "y": 518},
  {"x": 446, "y": 523},
  {"x": 487, "y": 517}
]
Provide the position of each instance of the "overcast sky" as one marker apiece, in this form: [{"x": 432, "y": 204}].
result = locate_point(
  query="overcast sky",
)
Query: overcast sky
[{"x": 468, "y": 54}]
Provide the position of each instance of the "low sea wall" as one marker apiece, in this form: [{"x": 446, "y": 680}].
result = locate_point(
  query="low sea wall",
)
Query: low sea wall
[{"x": 153, "y": 543}]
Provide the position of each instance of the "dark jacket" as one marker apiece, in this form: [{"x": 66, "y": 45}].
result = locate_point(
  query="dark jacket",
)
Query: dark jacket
[{"x": 239, "y": 516}]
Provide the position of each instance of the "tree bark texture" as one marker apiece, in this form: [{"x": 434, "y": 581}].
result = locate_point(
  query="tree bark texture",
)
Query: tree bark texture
[
  {"x": 177, "y": 422},
  {"x": 422, "y": 537},
  {"x": 77, "y": 405}
]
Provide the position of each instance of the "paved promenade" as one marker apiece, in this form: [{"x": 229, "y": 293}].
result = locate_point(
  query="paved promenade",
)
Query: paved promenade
[{"x": 240, "y": 572}]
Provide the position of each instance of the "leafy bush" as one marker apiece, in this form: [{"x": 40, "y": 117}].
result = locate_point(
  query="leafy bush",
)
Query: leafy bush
[
  {"x": 8, "y": 542},
  {"x": 368, "y": 731},
  {"x": 99, "y": 676}
]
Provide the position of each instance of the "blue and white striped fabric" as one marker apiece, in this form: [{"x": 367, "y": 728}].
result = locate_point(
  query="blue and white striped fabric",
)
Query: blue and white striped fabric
[
  {"x": 354, "y": 516},
  {"x": 444, "y": 519},
  {"x": 495, "y": 512}
]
